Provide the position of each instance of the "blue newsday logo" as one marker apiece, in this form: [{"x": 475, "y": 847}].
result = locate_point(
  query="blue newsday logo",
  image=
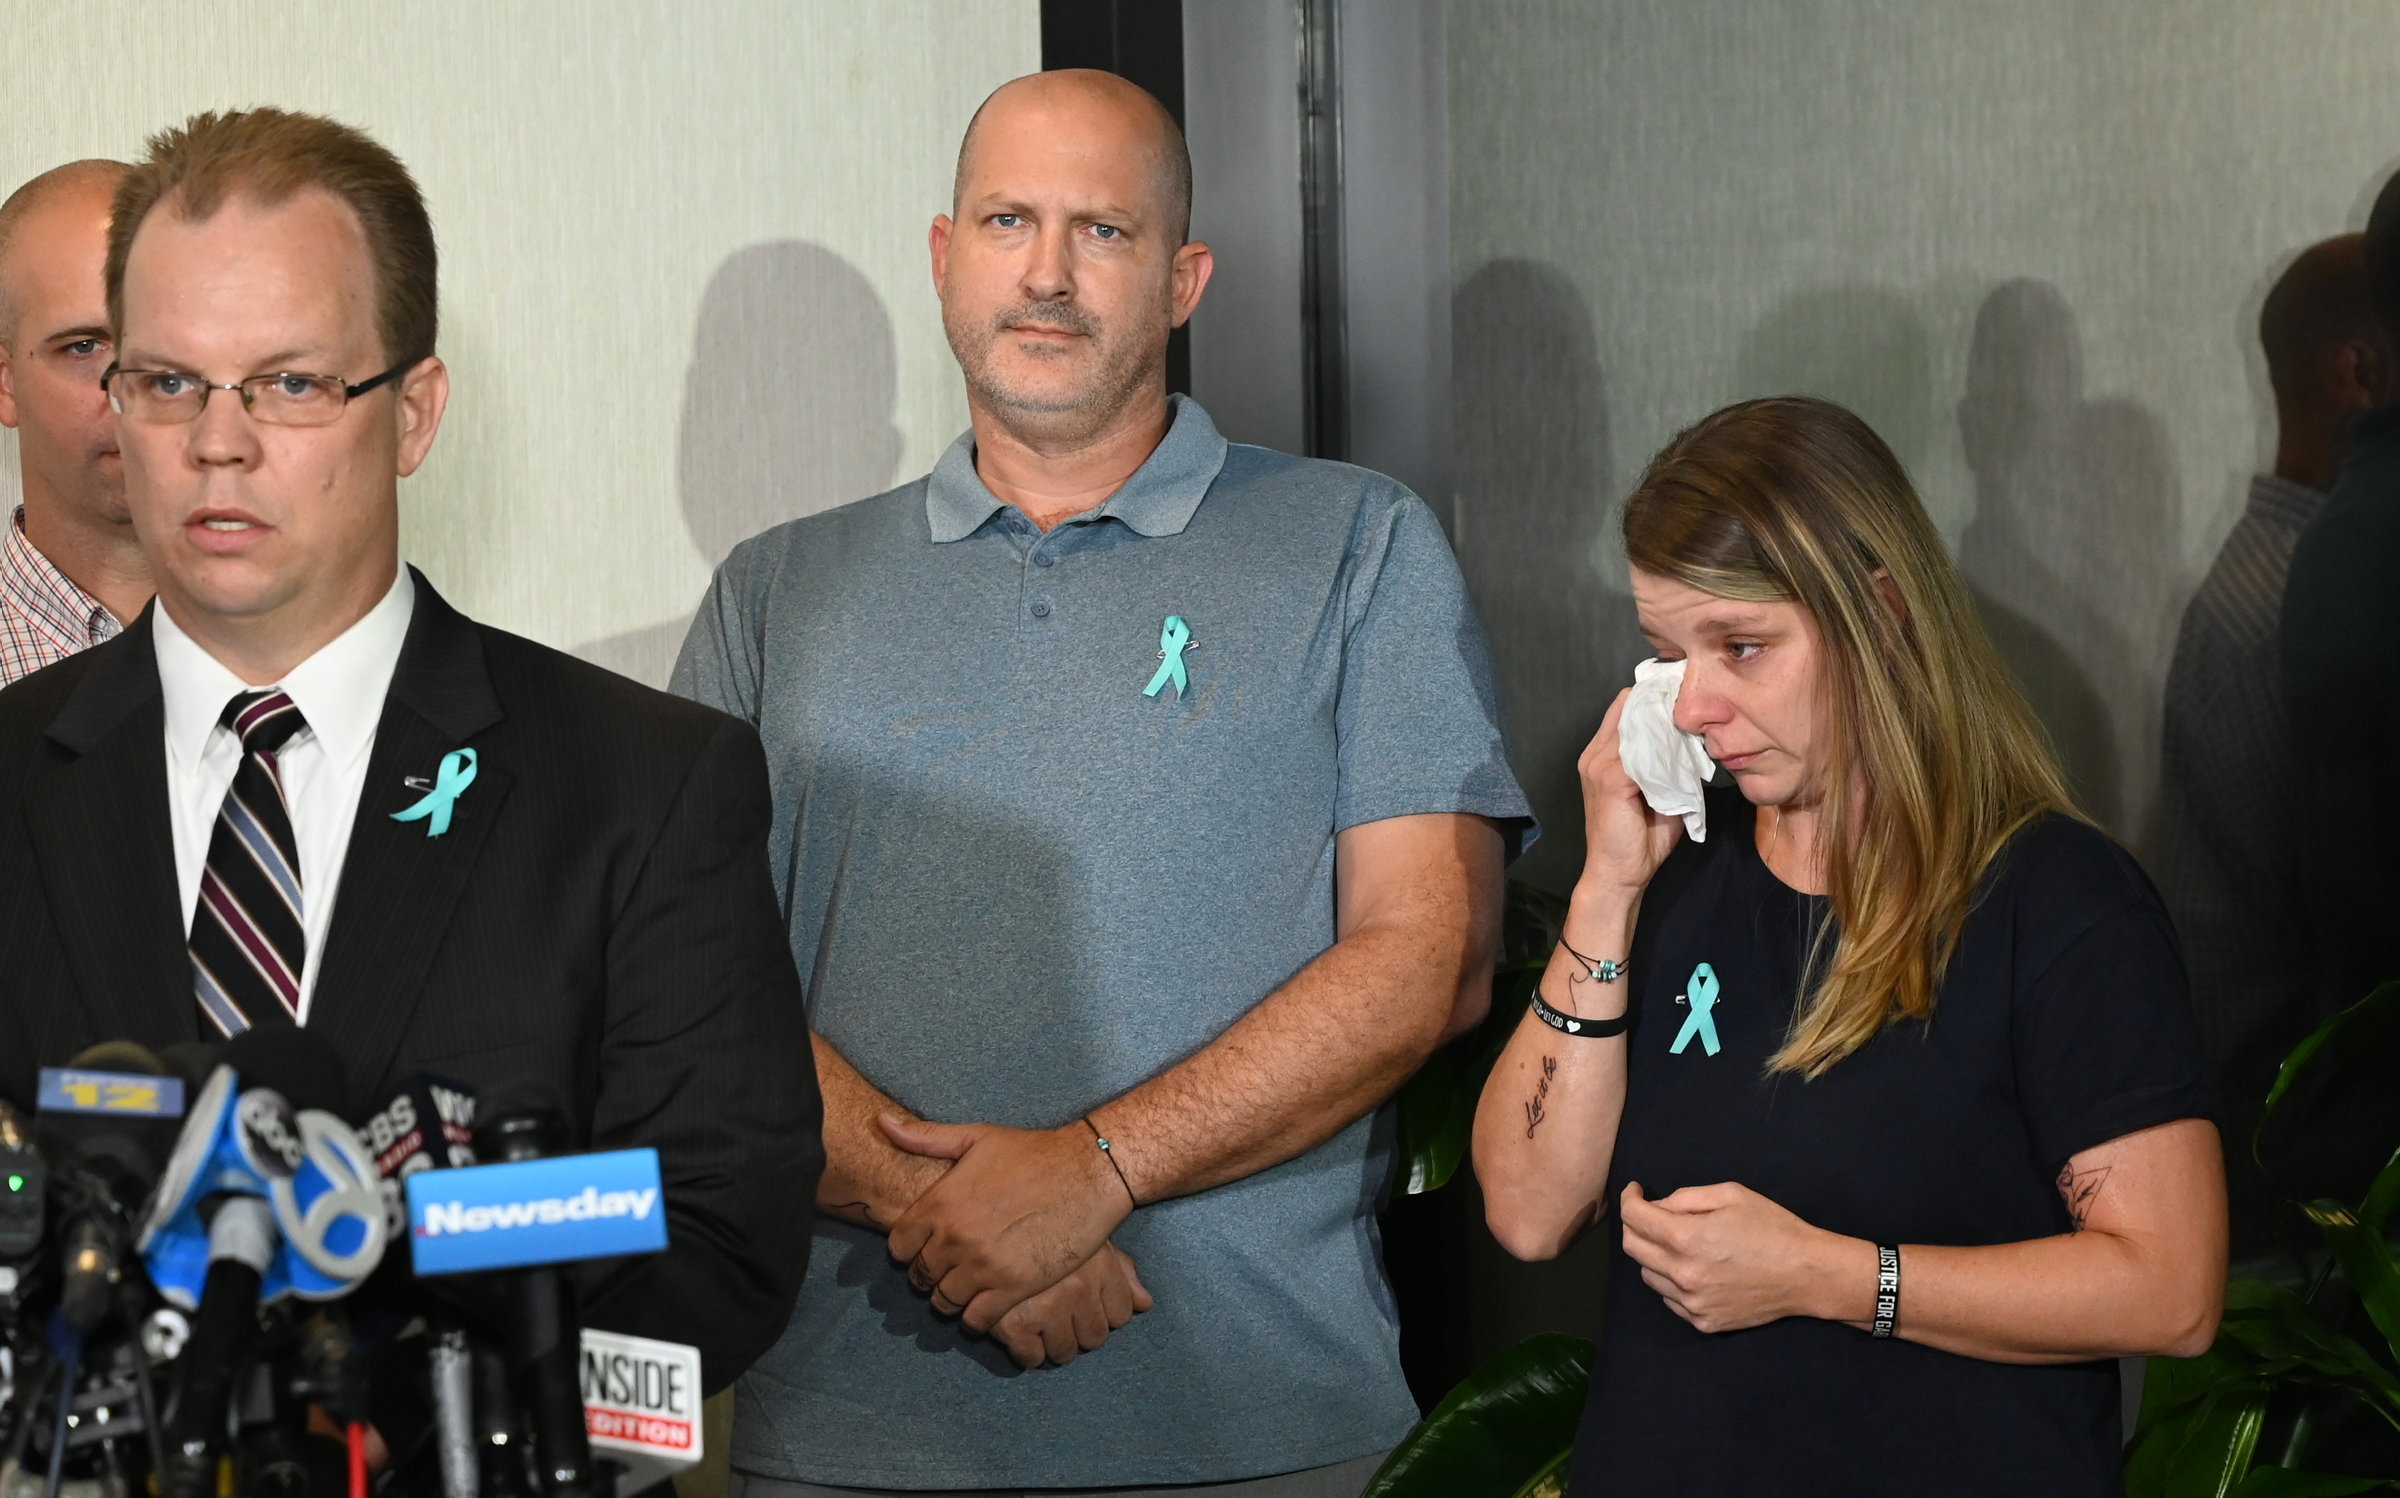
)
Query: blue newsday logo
[{"x": 536, "y": 1212}]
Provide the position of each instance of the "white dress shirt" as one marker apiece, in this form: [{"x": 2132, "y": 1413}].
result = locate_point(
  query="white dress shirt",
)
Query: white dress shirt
[{"x": 340, "y": 692}]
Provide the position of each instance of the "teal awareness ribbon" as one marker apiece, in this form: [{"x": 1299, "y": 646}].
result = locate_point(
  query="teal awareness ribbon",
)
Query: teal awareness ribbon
[
  {"x": 1701, "y": 993},
  {"x": 1173, "y": 641},
  {"x": 456, "y": 774}
]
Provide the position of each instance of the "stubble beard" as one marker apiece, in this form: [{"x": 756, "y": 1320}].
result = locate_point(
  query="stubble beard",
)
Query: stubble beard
[{"x": 1118, "y": 373}]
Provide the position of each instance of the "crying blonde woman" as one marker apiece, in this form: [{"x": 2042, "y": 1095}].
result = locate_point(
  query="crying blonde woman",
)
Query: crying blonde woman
[{"x": 1891, "y": 1081}]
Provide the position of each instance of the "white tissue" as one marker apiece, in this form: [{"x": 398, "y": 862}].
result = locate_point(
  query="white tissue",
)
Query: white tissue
[{"x": 1668, "y": 764}]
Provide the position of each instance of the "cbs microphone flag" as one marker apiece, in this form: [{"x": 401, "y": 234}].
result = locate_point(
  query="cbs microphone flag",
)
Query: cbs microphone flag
[{"x": 548, "y": 1211}]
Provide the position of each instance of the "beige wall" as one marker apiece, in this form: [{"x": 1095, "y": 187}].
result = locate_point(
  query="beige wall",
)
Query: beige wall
[
  {"x": 684, "y": 289},
  {"x": 2027, "y": 239}
]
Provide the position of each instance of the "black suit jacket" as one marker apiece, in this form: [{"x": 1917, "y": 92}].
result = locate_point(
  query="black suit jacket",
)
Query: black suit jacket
[{"x": 599, "y": 917}]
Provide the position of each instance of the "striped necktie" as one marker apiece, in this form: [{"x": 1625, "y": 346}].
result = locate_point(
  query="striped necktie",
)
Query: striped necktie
[{"x": 248, "y": 944}]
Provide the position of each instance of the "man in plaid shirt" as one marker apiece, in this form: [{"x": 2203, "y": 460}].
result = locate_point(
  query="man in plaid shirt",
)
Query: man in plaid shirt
[{"x": 71, "y": 573}]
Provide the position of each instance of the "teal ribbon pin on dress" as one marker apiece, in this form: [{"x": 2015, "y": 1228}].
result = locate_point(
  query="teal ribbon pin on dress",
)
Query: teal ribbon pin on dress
[
  {"x": 456, "y": 774},
  {"x": 1701, "y": 994},
  {"x": 1173, "y": 640}
]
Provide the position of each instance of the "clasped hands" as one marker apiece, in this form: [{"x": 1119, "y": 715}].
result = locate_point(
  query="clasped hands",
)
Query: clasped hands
[
  {"x": 1724, "y": 1257},
  {"x": 1013, "y": 1239}
]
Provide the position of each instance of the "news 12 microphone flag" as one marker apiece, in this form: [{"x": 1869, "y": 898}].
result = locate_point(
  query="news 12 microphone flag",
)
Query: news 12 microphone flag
[{"x": 546, "y": 1211}]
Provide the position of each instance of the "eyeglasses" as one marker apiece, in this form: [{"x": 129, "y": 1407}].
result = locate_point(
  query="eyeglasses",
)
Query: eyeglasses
[{"x": 165, "y": 397}]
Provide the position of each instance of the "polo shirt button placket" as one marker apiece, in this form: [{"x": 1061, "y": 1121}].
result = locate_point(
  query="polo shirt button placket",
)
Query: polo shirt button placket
[{"x": 1041, "y": 608}]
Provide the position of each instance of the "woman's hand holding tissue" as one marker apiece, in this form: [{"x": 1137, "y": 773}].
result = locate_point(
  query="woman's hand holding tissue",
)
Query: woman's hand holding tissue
[{"x": 1624, "y": 840}]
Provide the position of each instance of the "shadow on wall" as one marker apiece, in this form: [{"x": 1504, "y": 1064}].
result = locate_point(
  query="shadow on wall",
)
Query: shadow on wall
[
  {"x": 788, "y": 409},
  {"x": 1533, "y": 506},
  {"x": 2068, "y": 553},
  {"x": 1861, "y": 347}
]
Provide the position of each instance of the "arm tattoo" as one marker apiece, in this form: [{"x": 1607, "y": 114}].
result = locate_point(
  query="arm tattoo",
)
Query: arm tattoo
[
  {"x": 2080, "y": 1188},
  {"x": 1534, "y": 1111},
  {"x": 861, "y": 1208}
]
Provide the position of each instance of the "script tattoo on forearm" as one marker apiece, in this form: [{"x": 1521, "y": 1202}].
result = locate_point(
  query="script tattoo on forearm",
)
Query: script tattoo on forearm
[
  {"x": 1535, "y": 1112},
  {"x": 2080, "y": 1188}
]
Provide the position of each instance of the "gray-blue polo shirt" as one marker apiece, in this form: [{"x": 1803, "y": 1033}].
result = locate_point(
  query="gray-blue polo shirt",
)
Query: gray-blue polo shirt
[{"x": 1019, "y": 885}]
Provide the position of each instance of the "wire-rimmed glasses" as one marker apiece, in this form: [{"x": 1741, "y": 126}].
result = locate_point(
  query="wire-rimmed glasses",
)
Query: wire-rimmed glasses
[{"x": 169, "y": 397}]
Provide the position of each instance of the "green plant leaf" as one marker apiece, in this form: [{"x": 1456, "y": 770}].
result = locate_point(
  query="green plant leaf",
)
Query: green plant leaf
[
  {"x": 2270, "y": 1322},
  {"x": 2199, "y": 1427},
  {"x": 2332, "y": 1120},
  {"x": 1501, "y": 1428},
  {"x": 2382, "y": 1196},
  {"x": 2367, "y": 1263},
  {"x": 1551, "y": 1481},
  {"x": 1434, "y": 1121},
  {"x": 2291, "y": 1482}
]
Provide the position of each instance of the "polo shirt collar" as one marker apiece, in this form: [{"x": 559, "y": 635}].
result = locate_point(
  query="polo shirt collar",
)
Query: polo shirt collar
[{"x": 1159, "y": 500}]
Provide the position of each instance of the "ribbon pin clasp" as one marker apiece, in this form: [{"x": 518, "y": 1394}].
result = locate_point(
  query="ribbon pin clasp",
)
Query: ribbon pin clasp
[
  {"x": 1174, "y": 638},
  {"x": 1701, "y": 994},
  {"x": 450, "y": 782}
]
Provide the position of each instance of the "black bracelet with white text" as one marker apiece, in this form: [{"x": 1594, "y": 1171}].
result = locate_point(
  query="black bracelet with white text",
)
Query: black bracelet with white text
[
  {"x": 1887, "y": 1289},
  {"x": 1577, "y": 1025}
]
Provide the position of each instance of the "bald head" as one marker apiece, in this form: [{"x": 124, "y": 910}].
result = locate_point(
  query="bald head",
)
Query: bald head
[
  {"x": 77, "y": 189},
  {"x": 1097, "y": 108}
]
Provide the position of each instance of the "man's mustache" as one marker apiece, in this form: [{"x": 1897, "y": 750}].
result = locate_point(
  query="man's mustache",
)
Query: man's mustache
[{"x": 1064, "y": 316}]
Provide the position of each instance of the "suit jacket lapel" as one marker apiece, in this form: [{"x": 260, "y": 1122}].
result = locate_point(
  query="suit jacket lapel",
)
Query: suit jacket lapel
[
  {"x": 400, "y": 885},
  {"x": 102, "y": 838}
]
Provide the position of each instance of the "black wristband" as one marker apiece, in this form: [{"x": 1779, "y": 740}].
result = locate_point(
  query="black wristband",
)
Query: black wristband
[
  {"x": 1887, "y": 1289},
  {"x": 1576, "y": 1025}
]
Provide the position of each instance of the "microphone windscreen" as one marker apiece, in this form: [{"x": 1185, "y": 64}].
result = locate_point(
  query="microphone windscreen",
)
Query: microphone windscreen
[
  {"x": 120, "y": 1056},
  {"x": 303, "y": 1067},
  {"x": 520, "y": 1119},
  {"x": 193, "y": 1061}
]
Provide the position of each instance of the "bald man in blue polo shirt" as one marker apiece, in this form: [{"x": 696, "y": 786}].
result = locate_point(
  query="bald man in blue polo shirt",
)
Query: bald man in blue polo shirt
[{"x": 1141, "y": 811}]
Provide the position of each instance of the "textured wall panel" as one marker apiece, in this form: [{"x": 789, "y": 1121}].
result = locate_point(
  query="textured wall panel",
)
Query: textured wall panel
[
  {"x": 684, "y": 281},
  {"x": 2028, "y": 240}
]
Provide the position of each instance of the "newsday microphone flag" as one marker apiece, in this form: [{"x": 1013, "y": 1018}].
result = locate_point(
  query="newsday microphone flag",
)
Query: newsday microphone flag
[{"x": 546, "y": 1211}]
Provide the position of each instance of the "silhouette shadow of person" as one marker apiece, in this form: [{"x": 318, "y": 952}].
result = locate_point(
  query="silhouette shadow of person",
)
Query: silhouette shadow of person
[
  {"x": 1533, "y": 511},
  {"x": 2065, "y": 554},
  {"x": 789, "y": 408}
]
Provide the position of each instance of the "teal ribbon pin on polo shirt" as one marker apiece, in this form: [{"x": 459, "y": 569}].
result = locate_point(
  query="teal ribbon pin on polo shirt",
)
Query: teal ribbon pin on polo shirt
[
  {"x": 456, "y": 774},
  {"x": 1701, "y": 994},
  {"x": 1173, "y": 640}
]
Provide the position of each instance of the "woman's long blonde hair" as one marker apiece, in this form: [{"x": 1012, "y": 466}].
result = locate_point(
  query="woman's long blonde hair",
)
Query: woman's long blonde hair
[{"x": 1933, "y": 760}]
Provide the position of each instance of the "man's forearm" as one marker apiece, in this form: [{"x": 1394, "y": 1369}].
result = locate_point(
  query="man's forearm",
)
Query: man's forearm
[
  {"x": 868, "y": 1180},
  {"x": 1315, "y": 1055}
]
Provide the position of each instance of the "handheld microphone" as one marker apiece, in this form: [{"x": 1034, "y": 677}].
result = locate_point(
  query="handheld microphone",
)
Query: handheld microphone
[
  {"x": 244, "y": 1137},
  {"x": 523, "y": 1125},
  {"x": 107, "y": 1119},
  {"x": 427, "y": 1125},
  {"x": 259, "y": 1200}
]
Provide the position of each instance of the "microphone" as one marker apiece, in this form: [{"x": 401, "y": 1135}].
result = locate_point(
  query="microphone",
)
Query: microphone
[
  {"x": 428, "y": 1125},
  {"x": 525, "y": 1124},
  {"x": 107, "y": 1117},
  {"x": 512, "y": 1222},
  {"x": 260, "y": 1199}
]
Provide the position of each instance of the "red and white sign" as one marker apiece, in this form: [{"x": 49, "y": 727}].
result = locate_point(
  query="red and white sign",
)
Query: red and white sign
[{"x": 641, "y": 1403}]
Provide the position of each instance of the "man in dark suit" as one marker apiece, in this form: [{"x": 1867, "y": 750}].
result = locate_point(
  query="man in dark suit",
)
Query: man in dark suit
[{"x": 302, "y": 789}]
